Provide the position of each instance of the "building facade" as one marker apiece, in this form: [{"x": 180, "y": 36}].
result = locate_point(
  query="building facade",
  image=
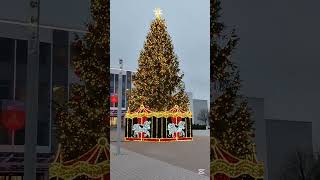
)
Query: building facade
[
  {"x": 114, "y": 84},
  {"x": 55, "y": 75},
  {"x": 278, "y": 141}
]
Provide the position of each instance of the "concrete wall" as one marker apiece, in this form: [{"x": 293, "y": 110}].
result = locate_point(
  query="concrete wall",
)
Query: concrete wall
[
  {"x": 278, "y": 56},
  {"x": 60, "y": 13},
  {"x": 284, "y": 139}
]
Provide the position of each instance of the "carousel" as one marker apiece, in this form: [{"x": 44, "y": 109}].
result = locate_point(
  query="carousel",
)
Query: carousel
[
  {"x": 95, "y": 164},
  {"x": 227, "y": 167},
  {"x": 145, "y": 125}
]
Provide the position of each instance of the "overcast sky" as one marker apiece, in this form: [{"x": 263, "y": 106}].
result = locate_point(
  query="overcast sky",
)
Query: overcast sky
[
  {"x": 188, "y": 25},
  {"x": 279, "y": 56}
]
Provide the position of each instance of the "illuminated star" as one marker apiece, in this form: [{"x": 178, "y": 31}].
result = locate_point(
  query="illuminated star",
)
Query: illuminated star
[{"x": 157, "y": 13}]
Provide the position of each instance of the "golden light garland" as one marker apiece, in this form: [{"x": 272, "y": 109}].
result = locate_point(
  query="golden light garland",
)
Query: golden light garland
[
  {"x": 222, "y": 165},
  {"x": 144, "y": 112},
  {"x": 80, "y": 166},
  {"x": 58, "y": 170}
]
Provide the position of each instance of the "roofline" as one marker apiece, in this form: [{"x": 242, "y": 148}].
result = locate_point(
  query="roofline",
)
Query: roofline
[
  {"x": 21, "y": 23},
  {"x": 118, "y": 69}
]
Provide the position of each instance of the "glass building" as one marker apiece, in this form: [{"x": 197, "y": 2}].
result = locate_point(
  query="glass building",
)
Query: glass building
[
  {"x": 55, "y": 75},
  {"x": 126, "y": 85}
]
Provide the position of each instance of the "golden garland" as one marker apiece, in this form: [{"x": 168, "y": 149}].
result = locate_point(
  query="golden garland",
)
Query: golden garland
[
  {"x": 235, "y": 170},
  {"x": 58, "y": 170},
  {"x": 165, "y": 114},
  {"x": 144, "y": 112}
]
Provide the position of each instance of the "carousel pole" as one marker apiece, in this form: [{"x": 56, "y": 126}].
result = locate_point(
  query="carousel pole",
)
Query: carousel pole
[{"x": 119, "y": 118}]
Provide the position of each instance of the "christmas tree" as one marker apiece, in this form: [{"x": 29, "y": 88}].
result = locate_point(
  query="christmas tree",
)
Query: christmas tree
[
  {"x": 85, "y": 117},
  {"x": 230, "y": 115},
  {"x": 158, "y": 84}
]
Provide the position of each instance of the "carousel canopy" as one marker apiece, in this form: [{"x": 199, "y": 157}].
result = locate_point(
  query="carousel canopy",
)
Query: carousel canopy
[
  {"x": 94, "y": 163},
  {"x": 226, "y": 164},
  {"x": 145, "y": 112}
]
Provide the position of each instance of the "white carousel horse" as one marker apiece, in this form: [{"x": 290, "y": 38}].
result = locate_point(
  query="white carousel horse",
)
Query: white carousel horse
[
  {"x": 136, "y": 128},
  {"x": 173, "y": 129}
]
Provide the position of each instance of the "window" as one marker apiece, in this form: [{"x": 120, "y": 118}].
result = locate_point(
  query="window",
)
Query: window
[
  {"x": 4, "y": 90},
  {"x": 6, "y": 50},
  {"x": 124, "y": 80},
  {"x": 116, "y": 86},
  {"x": 128, "y": 80},
  {"x": 22, "y": 51},
  {"x": 112, "y": 84},
  {"x": 45, "y": 53}
]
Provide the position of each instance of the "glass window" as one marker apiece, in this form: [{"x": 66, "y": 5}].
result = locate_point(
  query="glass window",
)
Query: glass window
[
  {"x": 116, "y": 86},
  {"x": 43, "y": 114},
  {"x": 6, "y": 50},
  {"x": 112, "y": 84},
  {"x": 22, "y": 51},
  {"x": 45, "y": 53},
  {"x": 128, "y": 79},
  {"x": 124, "y": 80},
  {"x": 4, "y": 90}
]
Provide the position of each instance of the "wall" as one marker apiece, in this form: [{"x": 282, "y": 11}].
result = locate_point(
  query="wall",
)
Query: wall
[
  {"x": 67, "y": 14},
  {"x": 284, "y": 139}
]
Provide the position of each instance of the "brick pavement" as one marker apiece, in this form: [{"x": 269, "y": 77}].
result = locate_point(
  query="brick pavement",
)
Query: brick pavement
[{"x": 133, "y": 166}]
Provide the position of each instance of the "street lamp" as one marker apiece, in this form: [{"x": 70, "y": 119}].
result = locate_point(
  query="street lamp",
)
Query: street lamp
[
  {"x": 30, "y": 151},
  {"x": 119, "y": 107}
]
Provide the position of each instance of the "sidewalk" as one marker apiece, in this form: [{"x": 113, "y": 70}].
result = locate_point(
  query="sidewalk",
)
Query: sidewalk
[{"x": 133, "y": 166}]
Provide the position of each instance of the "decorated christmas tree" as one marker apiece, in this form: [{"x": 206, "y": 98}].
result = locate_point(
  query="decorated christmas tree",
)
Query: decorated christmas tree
[
  {"x": 85, "y": 117},
  {"x": 231, "y": 122},
  {"x": 158, "y": 82}
]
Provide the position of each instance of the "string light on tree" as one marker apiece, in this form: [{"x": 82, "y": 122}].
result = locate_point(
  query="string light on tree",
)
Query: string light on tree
[
  {"x": 85, "y": 117},
  {"x": 158, "y": 82}
]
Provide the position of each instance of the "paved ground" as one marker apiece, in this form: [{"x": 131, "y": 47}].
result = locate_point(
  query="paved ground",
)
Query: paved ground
[
  {"x": 192, "y": 155},
  {"x": 133, "y": 166}
]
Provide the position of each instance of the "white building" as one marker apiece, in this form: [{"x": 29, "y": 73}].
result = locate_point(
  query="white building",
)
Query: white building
[{"x": 199, "y": 109}]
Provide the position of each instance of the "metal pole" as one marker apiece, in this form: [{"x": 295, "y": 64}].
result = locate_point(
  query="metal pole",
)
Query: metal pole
[
  {"x": 119, "y": 107},
  {"x": 30, "y": 153}
]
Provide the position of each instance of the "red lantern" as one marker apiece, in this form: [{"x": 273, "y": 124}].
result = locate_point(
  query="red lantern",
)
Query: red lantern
[
  {"x": 114, "y": 98},
  {"x": 13, "y": 118}
]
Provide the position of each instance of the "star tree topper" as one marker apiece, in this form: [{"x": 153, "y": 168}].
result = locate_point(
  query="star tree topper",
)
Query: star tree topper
[{"x": 157, "y": 13}]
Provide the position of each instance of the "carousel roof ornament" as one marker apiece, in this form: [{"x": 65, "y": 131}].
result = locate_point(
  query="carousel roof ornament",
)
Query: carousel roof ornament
[
  {"x": 94, "y": 163},
  {"x": 228, "y": 165},
  {"x": 176, "y": 111}
]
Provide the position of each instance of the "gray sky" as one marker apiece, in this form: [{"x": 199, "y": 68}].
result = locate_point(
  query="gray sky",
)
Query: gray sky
[
  {"x": 188, "y": 25},
  {"x": 279, "y": 56}
]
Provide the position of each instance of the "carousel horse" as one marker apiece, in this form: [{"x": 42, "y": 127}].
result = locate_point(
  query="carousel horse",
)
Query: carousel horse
[
  {"x": 144, "y": 129},
  {"x": 173, "y": 129}
]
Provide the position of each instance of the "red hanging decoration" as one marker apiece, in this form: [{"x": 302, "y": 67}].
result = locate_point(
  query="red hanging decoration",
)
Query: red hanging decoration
[
  {"x": 114, "y": 98},
  {"x": 13, "y": 118}
]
